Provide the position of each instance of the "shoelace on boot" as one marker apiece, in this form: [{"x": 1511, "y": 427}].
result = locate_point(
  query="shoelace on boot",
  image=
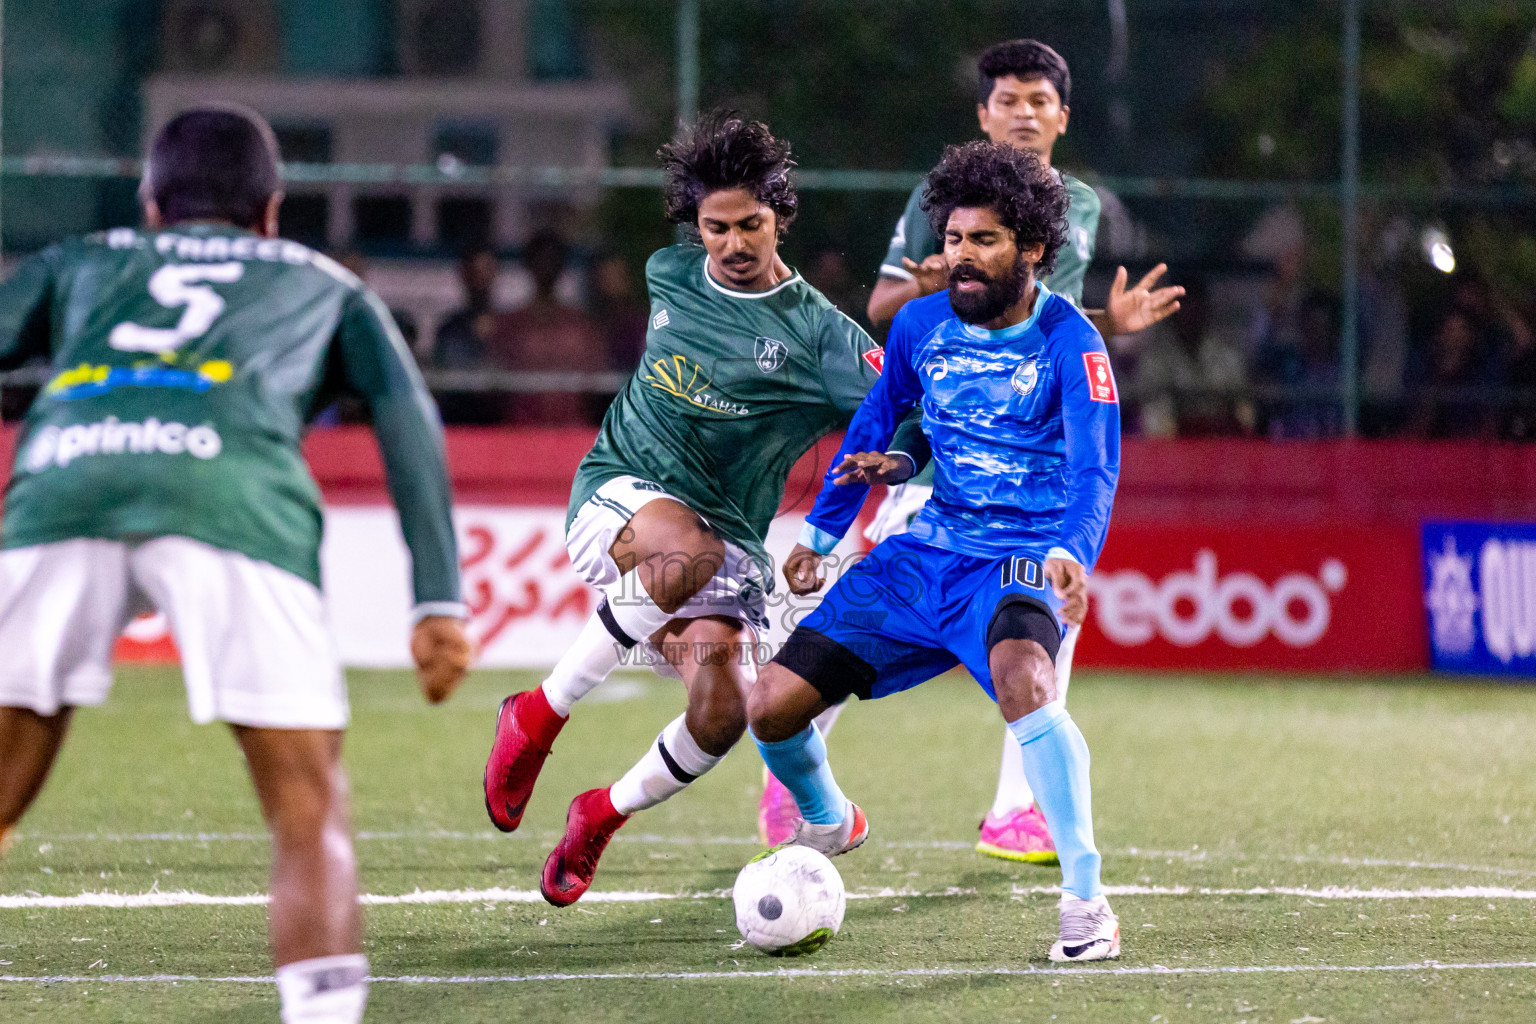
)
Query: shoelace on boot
[{"x": 1080, "y": 922}]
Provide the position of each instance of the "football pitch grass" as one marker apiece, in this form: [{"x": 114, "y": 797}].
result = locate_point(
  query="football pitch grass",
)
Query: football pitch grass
[{"x": 1278, "y": 850}]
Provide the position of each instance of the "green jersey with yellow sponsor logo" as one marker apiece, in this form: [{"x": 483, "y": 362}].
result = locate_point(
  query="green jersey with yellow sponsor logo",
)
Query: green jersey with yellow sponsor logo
[
  {"x": 733, "y": 389},
  {"x": 914, "y": 239},
  {"x": 184, "y": 363}
]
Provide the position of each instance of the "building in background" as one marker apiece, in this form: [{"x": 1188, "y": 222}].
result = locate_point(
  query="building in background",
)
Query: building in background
[{"x": 468, "y": 89}]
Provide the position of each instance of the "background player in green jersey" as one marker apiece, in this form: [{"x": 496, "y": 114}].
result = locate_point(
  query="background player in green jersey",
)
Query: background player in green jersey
[
  {"x": 745, "y": 367},
  {"x": 1024, "y": 89},
  {"x": 160, "y": 468},
  {"x": 1023, "y": 94}
]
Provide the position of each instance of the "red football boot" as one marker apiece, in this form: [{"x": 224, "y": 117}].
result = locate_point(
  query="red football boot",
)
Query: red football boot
[
  {"x": 526, "y": 727},
  {"x": 589, "y": 824}
]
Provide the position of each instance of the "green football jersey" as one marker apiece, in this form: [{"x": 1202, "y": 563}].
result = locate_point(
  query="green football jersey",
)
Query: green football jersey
[
  {"x": 914, "y": 239},
  {"x": 184, "y": 363},
  {"x": 734, "y": 387}
]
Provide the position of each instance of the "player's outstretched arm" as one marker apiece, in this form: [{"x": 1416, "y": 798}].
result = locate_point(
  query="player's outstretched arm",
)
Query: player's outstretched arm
[
  {"x": 891, "y": 293},
  {"x": 1090, "y": 405},
  {"x": 24, "y": 304},
  {"x": 893, "y": 395},
  {"x": 378, "y": 367},
  {"x": 1130, "y": 310}
]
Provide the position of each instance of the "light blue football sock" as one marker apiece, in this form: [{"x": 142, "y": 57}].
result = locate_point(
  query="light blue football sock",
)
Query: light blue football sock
[
  {"x": 800, "y": 762},
  {"x": 1056, "y": 766}
]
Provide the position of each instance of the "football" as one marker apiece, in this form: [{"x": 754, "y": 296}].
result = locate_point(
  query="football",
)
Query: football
[{"x": 789, "y": 902}]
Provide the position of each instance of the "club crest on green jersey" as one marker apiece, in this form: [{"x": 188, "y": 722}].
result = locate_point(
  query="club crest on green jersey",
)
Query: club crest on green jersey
[
  {"x": 770, "y": 354},
  {"x": 1025, "y": 377}
]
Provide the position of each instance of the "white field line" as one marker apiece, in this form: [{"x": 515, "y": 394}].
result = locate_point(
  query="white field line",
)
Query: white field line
[
  {"x": 1194, "y": 856},
  {"x": 794, "y": 972},
  {"x": 129, "y": 901}
]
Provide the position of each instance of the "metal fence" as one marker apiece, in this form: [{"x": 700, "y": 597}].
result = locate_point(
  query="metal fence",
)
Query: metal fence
[{"x": 1348, "y": 210}]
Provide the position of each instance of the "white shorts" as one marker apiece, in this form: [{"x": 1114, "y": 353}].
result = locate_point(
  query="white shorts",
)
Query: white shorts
[
  {"x": 894, "y": 516},
  {"x": 255, "y": 647},
  {"x": 737, "y": 591}
]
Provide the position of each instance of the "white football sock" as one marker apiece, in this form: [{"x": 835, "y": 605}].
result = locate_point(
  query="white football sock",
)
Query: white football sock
[
  {"x": 828, "y": 718},
  {"x": 324, "y": 990},
  {"x": 626, "y": 609},
  {"x": 673, "y": 761},
  {"x": 1013, "y": 792},
  {"x": 1064, "y": 661}
]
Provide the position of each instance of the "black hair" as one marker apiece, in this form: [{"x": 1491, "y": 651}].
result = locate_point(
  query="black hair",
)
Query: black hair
[
  {"x": 1027, "y": 196},
  {"x": 214, "y": 162},
  {"x": 724, "y": 150},
  {"x": 546, "y": 241},
  {"x": 478, "y": 247},
  {"x": 1026, "y": 60}
]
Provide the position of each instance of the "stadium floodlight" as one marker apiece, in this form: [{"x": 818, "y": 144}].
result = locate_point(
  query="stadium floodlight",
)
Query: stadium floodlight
[{"x": 1437, "y": 249}]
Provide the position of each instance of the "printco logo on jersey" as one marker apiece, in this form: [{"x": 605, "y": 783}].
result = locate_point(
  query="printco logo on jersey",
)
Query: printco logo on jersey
[
  {"x": 1480, "y": 593},
  {"x": 1187, "y": 607},
  {"x": 55, "y": 446}
]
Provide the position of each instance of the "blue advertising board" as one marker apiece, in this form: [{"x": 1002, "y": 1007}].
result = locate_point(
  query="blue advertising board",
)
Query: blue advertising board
[{"x": 1480, "y": 592}]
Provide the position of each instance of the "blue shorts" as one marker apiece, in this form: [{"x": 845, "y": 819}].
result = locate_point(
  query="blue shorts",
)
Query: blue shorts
[{"x": 909, "y": 612}]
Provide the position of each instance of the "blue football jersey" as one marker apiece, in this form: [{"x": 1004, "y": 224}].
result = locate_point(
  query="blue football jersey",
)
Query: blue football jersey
[{"x": 1023, "y": 423}]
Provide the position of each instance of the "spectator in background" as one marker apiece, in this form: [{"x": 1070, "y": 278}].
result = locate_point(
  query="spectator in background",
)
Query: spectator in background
[
  {"x": 347, "y": 409},
  {"x": 1519, "y": 420},
  {"x": 830, "y": 274},
  {"x": 620, "y": 314},
  {"x": 463, "y": 339},
  {"x": 1189, "y": 376},
  {"x": 356, "y": 262},
  {"x": 1279, "y": 240},
  {"x": 548, "y": 335},
  {"x": 1383, "y": 321},
  {"x": 1298, "y": 359},
  {"x": 1447, "y": 377}
]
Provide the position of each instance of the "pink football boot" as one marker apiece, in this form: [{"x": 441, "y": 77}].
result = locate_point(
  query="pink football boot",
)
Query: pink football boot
[
  {"x": 1019, "y": 835},
  {"x": 777, "y": 812}
]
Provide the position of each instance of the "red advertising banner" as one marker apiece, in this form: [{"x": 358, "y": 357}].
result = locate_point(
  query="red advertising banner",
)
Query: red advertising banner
[{"x": 1274, "y": 597}]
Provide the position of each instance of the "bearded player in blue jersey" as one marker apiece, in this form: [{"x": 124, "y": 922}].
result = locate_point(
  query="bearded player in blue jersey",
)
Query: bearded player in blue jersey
[
  {"x": 1020, "y": 411},
  {"x": 1024, "y": 89}
]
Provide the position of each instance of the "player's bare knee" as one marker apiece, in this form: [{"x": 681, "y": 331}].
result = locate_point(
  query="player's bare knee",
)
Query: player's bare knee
[
  {"x": 761, "y": 709},
  {"x": 684, "y": 561},
  {"x": 769, "y": 713},
  {"x": 1023, "y": 677},
  {"x": 716, "y": 718}
]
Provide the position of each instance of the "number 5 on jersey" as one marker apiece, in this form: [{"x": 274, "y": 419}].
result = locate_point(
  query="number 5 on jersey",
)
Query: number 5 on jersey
[{"x": 175, "y": 284}]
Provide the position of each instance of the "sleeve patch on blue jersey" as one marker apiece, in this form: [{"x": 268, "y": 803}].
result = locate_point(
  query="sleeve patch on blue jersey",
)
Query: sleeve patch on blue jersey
[{"x": 1101, "y": 379}]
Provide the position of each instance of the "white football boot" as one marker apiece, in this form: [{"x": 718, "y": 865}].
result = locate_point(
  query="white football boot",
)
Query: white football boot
[
  {"x": 1089, "y": 931},
  {"x": 832, "y": 840}
]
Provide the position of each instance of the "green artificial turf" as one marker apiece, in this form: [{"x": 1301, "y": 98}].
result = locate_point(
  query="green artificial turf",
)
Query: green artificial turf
[{"x": 1210, "y": 784}]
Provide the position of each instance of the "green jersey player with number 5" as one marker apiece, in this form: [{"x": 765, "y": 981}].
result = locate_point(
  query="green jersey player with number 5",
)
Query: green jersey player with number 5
[{"x": 160, "y": 469}]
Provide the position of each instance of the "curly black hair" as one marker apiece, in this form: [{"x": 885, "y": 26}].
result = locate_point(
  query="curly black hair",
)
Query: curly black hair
[
  {"x": 724, "y": 150},
  {"x": 1029, "y": 198},
  {"x": 1026, "y": 60}
]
